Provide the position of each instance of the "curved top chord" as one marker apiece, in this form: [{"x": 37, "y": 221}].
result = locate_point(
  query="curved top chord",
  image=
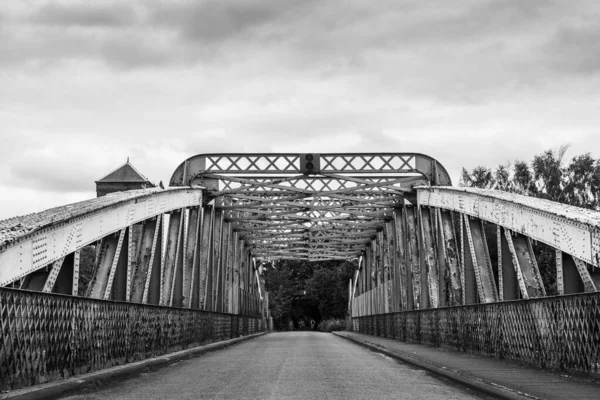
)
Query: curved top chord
[
  {"x": 574, "y": 230},
  {"x": 12, "y": 229},
  {"x": 32, "y": 241}
]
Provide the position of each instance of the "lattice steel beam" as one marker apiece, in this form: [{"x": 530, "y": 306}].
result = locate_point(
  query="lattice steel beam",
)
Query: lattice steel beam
[{"x": 288, "y": 163}]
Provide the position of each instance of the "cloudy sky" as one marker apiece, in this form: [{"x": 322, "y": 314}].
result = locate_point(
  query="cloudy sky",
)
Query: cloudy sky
[{"x": 86, "y": 84}]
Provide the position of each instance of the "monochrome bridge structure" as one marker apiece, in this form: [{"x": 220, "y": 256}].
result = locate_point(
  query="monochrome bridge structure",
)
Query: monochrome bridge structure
[{"x": 177, "y": 267}]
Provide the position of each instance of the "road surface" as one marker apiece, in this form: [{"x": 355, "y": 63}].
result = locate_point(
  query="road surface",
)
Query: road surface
[{"x": 288, "y": 365}]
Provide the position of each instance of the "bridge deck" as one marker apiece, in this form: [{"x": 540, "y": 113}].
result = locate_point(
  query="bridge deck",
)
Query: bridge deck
[
  {"x": 314, "y": 365},
  {"x": 291, "y": 365}
]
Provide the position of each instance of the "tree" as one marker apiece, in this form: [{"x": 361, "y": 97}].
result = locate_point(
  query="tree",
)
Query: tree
[
  {"x": 522, "y": 181},
  {"x": 502, "y": 178},
  {"x": 480, "y": 177},
  {"x": 580, "y": 186},
  {"x": 548, "y": 173}
]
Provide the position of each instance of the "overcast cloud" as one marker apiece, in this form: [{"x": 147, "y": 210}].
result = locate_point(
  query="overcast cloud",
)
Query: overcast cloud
[{"x": 86, "y": 84}]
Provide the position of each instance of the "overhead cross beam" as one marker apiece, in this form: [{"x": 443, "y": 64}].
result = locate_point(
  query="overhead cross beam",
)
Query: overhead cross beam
[{"x": 316, "y": 206}]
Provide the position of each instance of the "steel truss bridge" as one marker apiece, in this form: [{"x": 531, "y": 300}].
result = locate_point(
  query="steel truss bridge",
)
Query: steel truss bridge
[{"x": 178, "y": 267}]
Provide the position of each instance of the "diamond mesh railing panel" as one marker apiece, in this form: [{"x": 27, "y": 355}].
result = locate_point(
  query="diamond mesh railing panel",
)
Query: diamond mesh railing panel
[
  {"x": 44, "y": 337},
  {"x": 559, "y": 333}
]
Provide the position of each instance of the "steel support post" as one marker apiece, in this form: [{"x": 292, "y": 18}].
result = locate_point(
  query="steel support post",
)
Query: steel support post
[
  {"x": 381, "y": 294},
  {"x": 374, "y": 277},
  {"x": 576, "y": 277},
  {"x": 424, "y": 290},
  {"x": 429, "y": 256},
  {"x": 384, "y": 271},
  {"x": 410, "y": 257},
  {"x": 249, "y": 276},
  {"x": 66, "y": 281},
  {"x": 209, "y": 287},
  {"x": 450, "y": 255},
  {"x": 190, "y": 268},
  {"x": 390, "y": 240},
  {"x": 217, "y": 256},
  {"x": 205, "y": 259},
  {"x": 152, "y": 285},
  {"x": 375, "y": 274},
  {"x": 367, "y": 266},
  {"x": 231, "y": 249},
  {"x": 131, "y": 257},
  {"x": 507, "y": 277},
  {"x": 223, "y": 266},
  {"x": 400, "y": 243},
  {"x": 116, "y": 287},
  {"x": 482, "y": 264},
  {"x": 75, "y": 280},
  {"x": 369, "y": 277},
  {"x": 414, "y": 259},
  {"x": 237, "y": 275},
  {"x": 173, "y": 257},
  {"x": 528, "y": 275},
  {"x": 361, "y": 273},
  {"x": 570, "y": 279},
  {"x": 108, "y": 249},
  {"x": 242, "y": 279},
  {"x": 560, "y": 283},
  {"x": 234, "y": 273},
  {"x": 140, "y": 272},
  {"x": 53, "y": 275},
  {"x": 444, "y": 275},
  {"x": 584, "y": 273},
  {"x": 468, "y": 268}
]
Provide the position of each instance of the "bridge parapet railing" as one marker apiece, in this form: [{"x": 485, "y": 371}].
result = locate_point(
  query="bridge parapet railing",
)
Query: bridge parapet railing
[
  {"x": 560, "y": 333},
  {"x": 44, "y": 337}
]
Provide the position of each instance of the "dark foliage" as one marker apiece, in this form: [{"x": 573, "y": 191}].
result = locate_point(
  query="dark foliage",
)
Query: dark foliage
[{"x": 325, "y": 283}]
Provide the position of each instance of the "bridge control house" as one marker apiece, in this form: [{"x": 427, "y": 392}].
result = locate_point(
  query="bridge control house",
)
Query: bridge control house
[{"x": 126, "y": 177}]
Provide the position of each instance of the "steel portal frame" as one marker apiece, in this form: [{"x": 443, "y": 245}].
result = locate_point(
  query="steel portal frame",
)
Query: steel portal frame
[{"x": 283, "y": 212}]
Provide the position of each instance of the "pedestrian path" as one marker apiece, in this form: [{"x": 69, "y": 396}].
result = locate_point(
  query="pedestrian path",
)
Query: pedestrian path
[{"x": 506, "y": 379}]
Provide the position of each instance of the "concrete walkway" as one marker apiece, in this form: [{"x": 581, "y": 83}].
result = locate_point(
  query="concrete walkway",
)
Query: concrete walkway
[
  {"x": 505, "y": 379},
  {"x": 287, "y": 365}
]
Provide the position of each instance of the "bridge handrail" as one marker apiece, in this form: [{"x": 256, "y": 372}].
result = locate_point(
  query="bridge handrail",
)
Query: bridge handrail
[{"x": 573, "y": 230}]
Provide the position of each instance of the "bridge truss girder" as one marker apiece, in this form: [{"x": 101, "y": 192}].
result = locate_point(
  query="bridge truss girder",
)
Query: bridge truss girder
[
  {"x": 196, "y": 246},
  {"x": 439, "y": 254},
  {"x": 151, "y": 246}
]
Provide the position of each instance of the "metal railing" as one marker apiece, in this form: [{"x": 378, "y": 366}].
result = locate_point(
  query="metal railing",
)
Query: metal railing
[
  {"x": 560, "y": 333},
  {"x": 44, "y": 337}
]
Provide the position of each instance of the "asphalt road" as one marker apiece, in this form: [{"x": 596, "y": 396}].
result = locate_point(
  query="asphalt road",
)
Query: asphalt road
[{"x": 290, "y": 365}]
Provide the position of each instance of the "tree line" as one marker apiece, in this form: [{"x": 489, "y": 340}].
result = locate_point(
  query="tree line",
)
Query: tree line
[{"x": 547, "y": 176}]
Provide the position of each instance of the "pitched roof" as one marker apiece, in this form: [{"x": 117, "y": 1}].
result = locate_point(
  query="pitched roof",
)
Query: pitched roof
[{"x": 125, "y": 173}]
